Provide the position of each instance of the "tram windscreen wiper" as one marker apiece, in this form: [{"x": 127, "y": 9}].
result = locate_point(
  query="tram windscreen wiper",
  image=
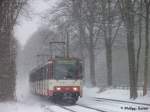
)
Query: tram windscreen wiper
[{"x": 69, "y": 75}]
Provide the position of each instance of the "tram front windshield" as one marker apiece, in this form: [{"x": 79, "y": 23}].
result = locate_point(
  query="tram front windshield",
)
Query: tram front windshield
[{"x": 65, "y": 70}]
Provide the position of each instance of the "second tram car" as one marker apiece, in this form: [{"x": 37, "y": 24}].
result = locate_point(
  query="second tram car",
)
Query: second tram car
[{"x": 60, "y": 78}]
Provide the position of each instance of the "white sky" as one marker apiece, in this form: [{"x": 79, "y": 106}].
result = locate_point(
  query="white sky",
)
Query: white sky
[{"x": 27, "y": 27}]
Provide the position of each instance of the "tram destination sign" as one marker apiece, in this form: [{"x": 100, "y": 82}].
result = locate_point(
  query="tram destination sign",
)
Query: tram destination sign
[{"x": 66, "y": 61}]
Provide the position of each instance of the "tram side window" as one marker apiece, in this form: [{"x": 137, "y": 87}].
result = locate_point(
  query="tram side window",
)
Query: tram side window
[
  {"x": 36, "y": 76},
  {"x": 33, "y": 76},
  {"x": 80, "y": 70},
  {"x": 49, "y": 71},
  {"x": 43, "y": 73},
  {"x": 46, "y": 72},
  {"x": 40, "y": 74}
]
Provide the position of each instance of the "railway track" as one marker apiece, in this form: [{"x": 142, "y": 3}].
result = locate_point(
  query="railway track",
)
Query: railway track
[
  {"x": 48, "y": 108},
  {"x": 113, "y": 100},
  {"x": 75, "y": 108},
  {"x": 99, "y": 110},
  {"x": 87, "y": 108},
  {"x": 71, "y": 108}
]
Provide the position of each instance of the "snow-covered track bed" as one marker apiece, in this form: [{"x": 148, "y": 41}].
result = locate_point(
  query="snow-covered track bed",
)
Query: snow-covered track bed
[
  {"x": 66, "y": 108},
  {"x": 57, "y": 108},
  {"x": 79, "y": 108},
  {"x": 112, "y": 106},
  {"x": 74, "y": 108},
  {"x": 96, "y": 109},
  {"x": 119, "y": 101},
  {"x": 52, "y": 107}
]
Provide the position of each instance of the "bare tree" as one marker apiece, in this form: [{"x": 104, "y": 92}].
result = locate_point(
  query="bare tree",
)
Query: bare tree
[
  {"x": 107, "y": 29},
  {"x": 140, "y": 19},
  {"x": 9, "y": 11},
  {"x": 147, "y": 7},
  {"x": 127, "y": 9},
  {"x": 90, "y": 15},
  {"x": 110, "y": 28}
]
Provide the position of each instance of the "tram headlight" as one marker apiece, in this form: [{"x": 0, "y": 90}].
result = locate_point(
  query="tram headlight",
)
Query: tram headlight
[
  {"x": 58, "y": 88},
  {"x": 75, "y": 89}
]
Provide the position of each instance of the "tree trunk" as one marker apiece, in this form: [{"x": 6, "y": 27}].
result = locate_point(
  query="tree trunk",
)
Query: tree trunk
[
  {"x": 131, "y": 51},
  {"x": 140, "y": 40},
  {"x": 7, "y": 75},
  {"x": 77, "y": 14},
  {"x": 126, "y": 8},
  {"x": 109, "y": 63},
  {"x": 91, "y": 20},
  {"x": 131, "y": 60},
  {"x": 9, "y": 13},
  {"x": 92, "y": 57},
  {"x": 92, "y": 67},
  {"x": 81, "y": 37},
  {"x": 107, "y": 29},
  {"x": 147, "y": 3}
]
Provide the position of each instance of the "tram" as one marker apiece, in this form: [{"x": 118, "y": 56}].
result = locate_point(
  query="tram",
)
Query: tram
[{"x": 59, "y": 79}]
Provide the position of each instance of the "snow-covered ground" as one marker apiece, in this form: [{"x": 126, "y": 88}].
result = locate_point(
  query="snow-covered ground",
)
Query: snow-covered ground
[
  {"x": 118, "y": 94},
  {"x": 31, "y": 103}
]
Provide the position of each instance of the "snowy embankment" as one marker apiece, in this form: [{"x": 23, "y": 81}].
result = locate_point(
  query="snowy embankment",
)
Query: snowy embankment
[
  {"x": 114, "y": 106},
  {"x": 117, "y": 94},
  {"x": 19, "y": 107},
  {"x": 31, "y": 103}
]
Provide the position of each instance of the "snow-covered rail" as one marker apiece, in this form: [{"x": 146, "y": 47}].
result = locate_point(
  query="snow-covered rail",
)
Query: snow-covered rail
[
  {"x": 57, "y": 108},
  {"x": 99, "y": 110},
  {"x": 70, "y": 110},
  {"x": 47, "y": 109},
  {"x": 113, "y": 100},
  {"x": 80, "y": 108},
  {"x": 77, "y": 108}
]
